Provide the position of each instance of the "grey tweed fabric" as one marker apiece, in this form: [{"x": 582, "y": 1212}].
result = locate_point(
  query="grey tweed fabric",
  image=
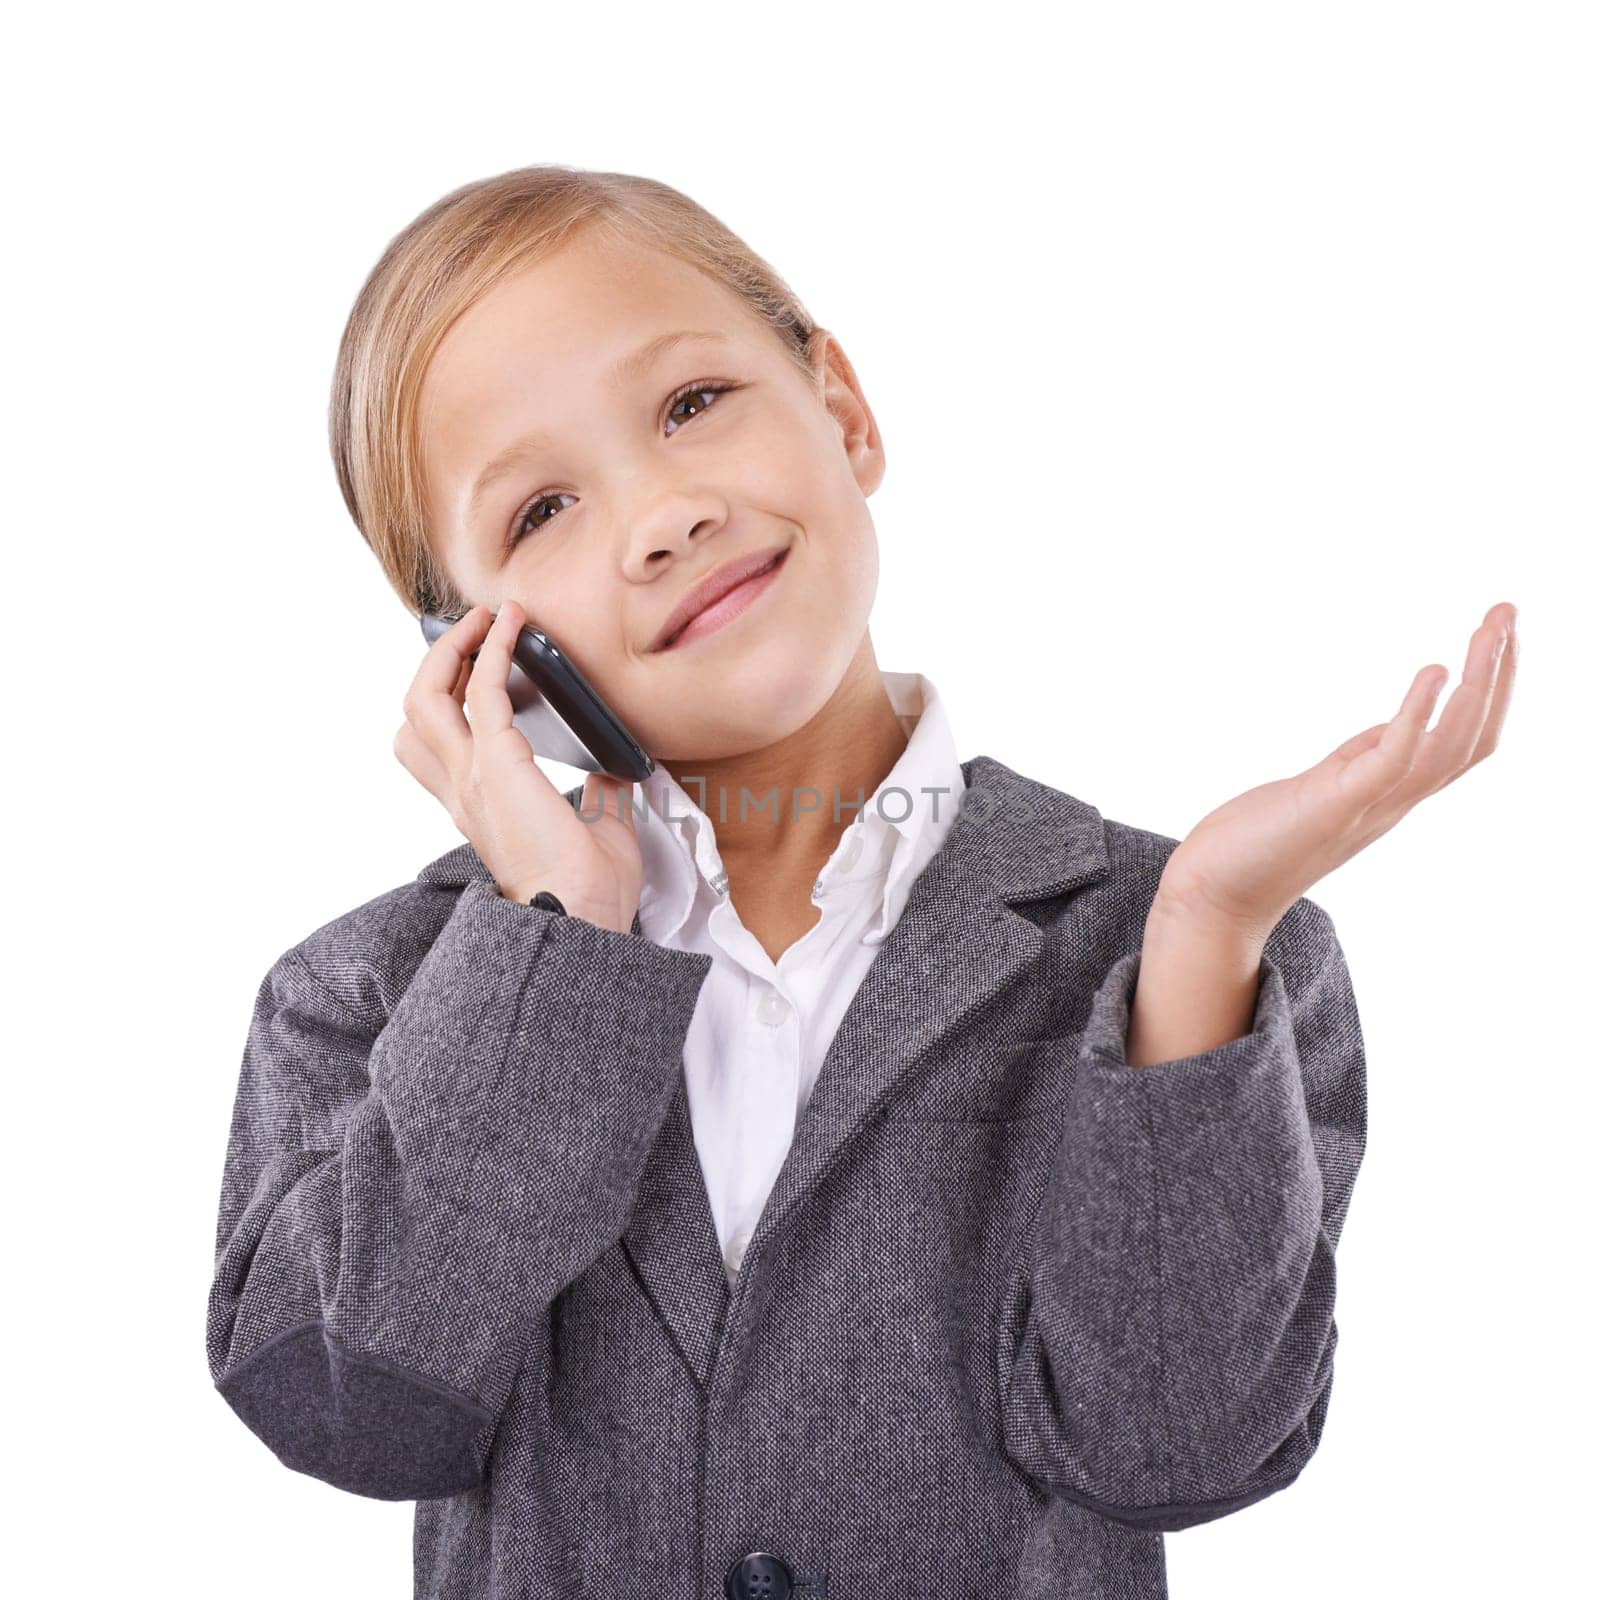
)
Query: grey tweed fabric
[{"x": 1014, "y": 1309}]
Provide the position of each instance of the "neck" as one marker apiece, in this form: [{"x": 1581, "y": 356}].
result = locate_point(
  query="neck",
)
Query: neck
[{"x": 846, "y": 750}]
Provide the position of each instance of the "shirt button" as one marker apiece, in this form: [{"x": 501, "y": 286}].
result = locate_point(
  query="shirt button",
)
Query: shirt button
[
  {"x": 737, "y": 1246},
  {"x": 773, "y": 1009}
]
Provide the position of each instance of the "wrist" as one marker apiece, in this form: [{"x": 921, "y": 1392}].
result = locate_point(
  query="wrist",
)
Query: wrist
[
  {"x": 1203, "y": 949},
  {"x": 576, "y": 909},
  {"x": 1185, "y": 916},
  {"x": 1198, "y": 984}
]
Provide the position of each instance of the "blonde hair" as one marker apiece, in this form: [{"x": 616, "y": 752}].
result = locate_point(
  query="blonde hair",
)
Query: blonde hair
[{"x": 438, "y": 266}]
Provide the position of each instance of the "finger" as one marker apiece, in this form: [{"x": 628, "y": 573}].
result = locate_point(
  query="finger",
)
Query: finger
[
  {"x": 431, "y": 703},
  {"x": 488, "y": 696},
  {"x": 1331, "y": 767},
  {"x": 463, "y": 677},
  {"x": 1447, "y": 750},
  {"x": 1505, "y": 678},
  {"x": 1354, "y": 745},
  {"x": 412, "y": 752},
  {"x": 1379, "y": 768}
]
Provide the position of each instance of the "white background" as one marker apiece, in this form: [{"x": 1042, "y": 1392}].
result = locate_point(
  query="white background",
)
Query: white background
[{"x": 1231, "y": 362}]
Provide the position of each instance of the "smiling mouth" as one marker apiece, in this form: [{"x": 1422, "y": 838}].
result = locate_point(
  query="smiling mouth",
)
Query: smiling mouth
[{"x": 754, "y": 577}]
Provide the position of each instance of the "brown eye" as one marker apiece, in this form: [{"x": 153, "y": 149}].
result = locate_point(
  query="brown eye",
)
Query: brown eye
[
  {"x": 701, "y": 393},
  {"x": 526, "y": 524}
]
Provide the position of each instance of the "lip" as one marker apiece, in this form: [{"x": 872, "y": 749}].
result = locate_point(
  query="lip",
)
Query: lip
[{"x": 714, "y": 587}]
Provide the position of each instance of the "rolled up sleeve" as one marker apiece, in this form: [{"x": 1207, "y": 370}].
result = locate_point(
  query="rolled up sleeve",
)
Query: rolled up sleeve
[{"x": 1176, "y": 1353}]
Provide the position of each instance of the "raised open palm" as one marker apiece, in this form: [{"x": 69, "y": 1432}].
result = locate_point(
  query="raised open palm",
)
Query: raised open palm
[{"x": 1248, "y": 861}]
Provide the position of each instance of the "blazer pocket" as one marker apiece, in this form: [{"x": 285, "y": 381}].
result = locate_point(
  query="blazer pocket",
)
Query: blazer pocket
[{"x": 1012, "y": 1083}]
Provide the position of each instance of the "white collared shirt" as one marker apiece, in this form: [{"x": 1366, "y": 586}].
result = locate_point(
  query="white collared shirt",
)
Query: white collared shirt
[{"x": 760, "y": 1030}]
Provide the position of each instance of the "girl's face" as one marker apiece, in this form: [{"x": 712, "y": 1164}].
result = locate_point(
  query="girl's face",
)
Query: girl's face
[{"x": 597, "y": 493}]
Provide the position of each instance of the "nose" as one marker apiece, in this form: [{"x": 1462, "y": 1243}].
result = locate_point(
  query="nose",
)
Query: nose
[{"x": 654, "y": 541}]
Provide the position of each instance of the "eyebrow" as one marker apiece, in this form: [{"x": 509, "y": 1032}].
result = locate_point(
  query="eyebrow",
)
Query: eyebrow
[{"x": 629, "y": 368}]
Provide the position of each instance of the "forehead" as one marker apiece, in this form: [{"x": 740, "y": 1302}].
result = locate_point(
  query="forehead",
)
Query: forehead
[{"x": 564, "y": 321}]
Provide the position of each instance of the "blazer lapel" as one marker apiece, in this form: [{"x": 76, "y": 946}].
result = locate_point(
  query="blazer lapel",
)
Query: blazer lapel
[{"x": 958, "y": 944}]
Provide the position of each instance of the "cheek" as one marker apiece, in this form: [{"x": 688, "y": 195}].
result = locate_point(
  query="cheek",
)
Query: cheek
[
  {"x": 800, "y": 458},
  {"x": 852, "y": 553},
  {"x": 587, "y": 632},
  {"x": 833, "y": 606}
]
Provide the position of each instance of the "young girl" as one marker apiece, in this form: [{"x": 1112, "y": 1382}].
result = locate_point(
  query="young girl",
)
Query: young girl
[{"x": 827, "y": 1167}]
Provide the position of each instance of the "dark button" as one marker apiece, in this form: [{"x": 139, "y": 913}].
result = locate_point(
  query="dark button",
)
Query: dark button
[{"x": 759, "y": 1576}]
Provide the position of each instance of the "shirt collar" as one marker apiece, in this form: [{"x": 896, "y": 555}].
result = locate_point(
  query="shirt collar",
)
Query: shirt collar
[{"x": 919, "y": 798}]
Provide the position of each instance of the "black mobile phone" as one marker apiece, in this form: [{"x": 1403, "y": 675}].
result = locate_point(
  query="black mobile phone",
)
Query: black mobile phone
[{"x": 556, "y": 709}]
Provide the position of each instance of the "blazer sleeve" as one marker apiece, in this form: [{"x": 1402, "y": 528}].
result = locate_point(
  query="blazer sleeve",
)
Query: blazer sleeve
[
  {"x": 402, "y": 1200},
  {"x": 1175, "y": 1357}
]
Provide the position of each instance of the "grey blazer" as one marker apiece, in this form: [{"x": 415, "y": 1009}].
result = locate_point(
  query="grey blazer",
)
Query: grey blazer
[{"x": 1013, "y": 1309}]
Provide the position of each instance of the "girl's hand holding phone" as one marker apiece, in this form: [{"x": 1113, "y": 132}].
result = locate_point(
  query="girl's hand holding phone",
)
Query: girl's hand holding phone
[{"x": 483, "y": 772}]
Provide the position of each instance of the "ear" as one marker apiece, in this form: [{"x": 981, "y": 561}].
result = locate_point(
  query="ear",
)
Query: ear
[{"x": 846, "y": 402}]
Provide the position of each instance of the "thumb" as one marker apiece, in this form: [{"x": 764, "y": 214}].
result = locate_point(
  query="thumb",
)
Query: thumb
[{"x": 607, "y": 796}]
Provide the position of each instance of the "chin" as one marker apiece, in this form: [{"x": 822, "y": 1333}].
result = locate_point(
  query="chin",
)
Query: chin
[{"x": 744, "y": 708}]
